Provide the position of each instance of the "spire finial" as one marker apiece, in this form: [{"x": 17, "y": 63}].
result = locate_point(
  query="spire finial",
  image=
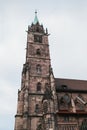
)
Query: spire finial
[
  {"x": 36, "y": 19},
  {"x": 35, "y": 12}
]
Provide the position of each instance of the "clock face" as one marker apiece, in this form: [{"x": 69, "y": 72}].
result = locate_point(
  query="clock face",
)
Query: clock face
[{"x": 38, "y": 38}]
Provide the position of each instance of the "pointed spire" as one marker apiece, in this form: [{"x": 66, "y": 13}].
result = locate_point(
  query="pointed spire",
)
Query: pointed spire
[{"x": 36, "y": 18}]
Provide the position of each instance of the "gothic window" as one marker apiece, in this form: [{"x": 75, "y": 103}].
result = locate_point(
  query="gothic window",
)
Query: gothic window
[
  {"x": 65, "y": 99},
  {"x": 37, "y": 29},
  {"x": 39, "y": 86},
  {"x": 45, "y": 106},
  {"x": 48, "y": 92},
  {"x": 37, "y": 38},
  {"x": 38, "y": 69},
  {"x": 37, "y": 108},
  {"x": 38, "y": 52}
]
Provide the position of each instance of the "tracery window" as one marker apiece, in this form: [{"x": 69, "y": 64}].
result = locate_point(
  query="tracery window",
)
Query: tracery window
[{"x": 65, "y": 99}]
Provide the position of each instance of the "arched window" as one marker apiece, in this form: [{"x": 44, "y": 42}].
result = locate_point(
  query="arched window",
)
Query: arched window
[
  {"x": 38, "y": 52},
  {"x": 37, "y": 108},
  {"x": 37, "y": 29},
  {"x": 38, "y": 69},
  {"x": 66, "y": 98},
  {"x": 45, "y": 106},
  {"x": 39, "y": 86}
]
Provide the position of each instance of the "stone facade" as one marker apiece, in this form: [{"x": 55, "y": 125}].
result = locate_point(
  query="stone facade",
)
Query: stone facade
[{"x": 43, "y": 102}]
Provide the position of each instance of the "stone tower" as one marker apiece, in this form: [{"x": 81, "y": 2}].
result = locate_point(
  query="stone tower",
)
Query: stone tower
[
  {"x": 37, "y": 102},
  {"x": 45, "y": 102}
]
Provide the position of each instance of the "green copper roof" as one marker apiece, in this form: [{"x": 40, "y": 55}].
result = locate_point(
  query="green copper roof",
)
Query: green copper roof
[{"x": 36, "y": 18}]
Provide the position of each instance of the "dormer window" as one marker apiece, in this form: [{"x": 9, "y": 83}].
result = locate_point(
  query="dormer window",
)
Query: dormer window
[
  {"x": 38, "y": 38},
  {"x": 64, "y": 86}
]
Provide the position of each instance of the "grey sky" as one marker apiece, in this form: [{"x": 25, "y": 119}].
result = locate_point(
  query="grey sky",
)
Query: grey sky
[{"x": 66, "y": 21}]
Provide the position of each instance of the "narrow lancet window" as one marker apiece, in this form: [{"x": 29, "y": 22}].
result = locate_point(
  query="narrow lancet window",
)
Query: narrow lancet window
[
  {"x": 39, "y": 86},
  {"x": 38, "y": 52},
  {"x": 38, "y": 69},
  {"x": 37, "y": 108}
]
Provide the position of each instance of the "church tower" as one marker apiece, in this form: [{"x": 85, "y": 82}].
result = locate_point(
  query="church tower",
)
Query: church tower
[{"x": 37, "y": 102}]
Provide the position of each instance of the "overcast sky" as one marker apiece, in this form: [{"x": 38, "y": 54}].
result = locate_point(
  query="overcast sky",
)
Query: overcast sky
[{"x": 66, "y": 21}]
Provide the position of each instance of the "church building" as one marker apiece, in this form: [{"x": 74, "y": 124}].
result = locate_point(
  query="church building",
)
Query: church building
[{"x": 45, "y": 102}]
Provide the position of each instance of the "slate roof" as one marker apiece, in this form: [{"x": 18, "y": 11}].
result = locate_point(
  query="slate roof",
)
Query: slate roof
[{"x": 72, "y": 84}]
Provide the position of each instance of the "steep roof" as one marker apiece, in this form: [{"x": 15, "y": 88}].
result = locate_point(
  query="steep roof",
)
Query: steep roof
[{"x": 71, "y": 84}]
